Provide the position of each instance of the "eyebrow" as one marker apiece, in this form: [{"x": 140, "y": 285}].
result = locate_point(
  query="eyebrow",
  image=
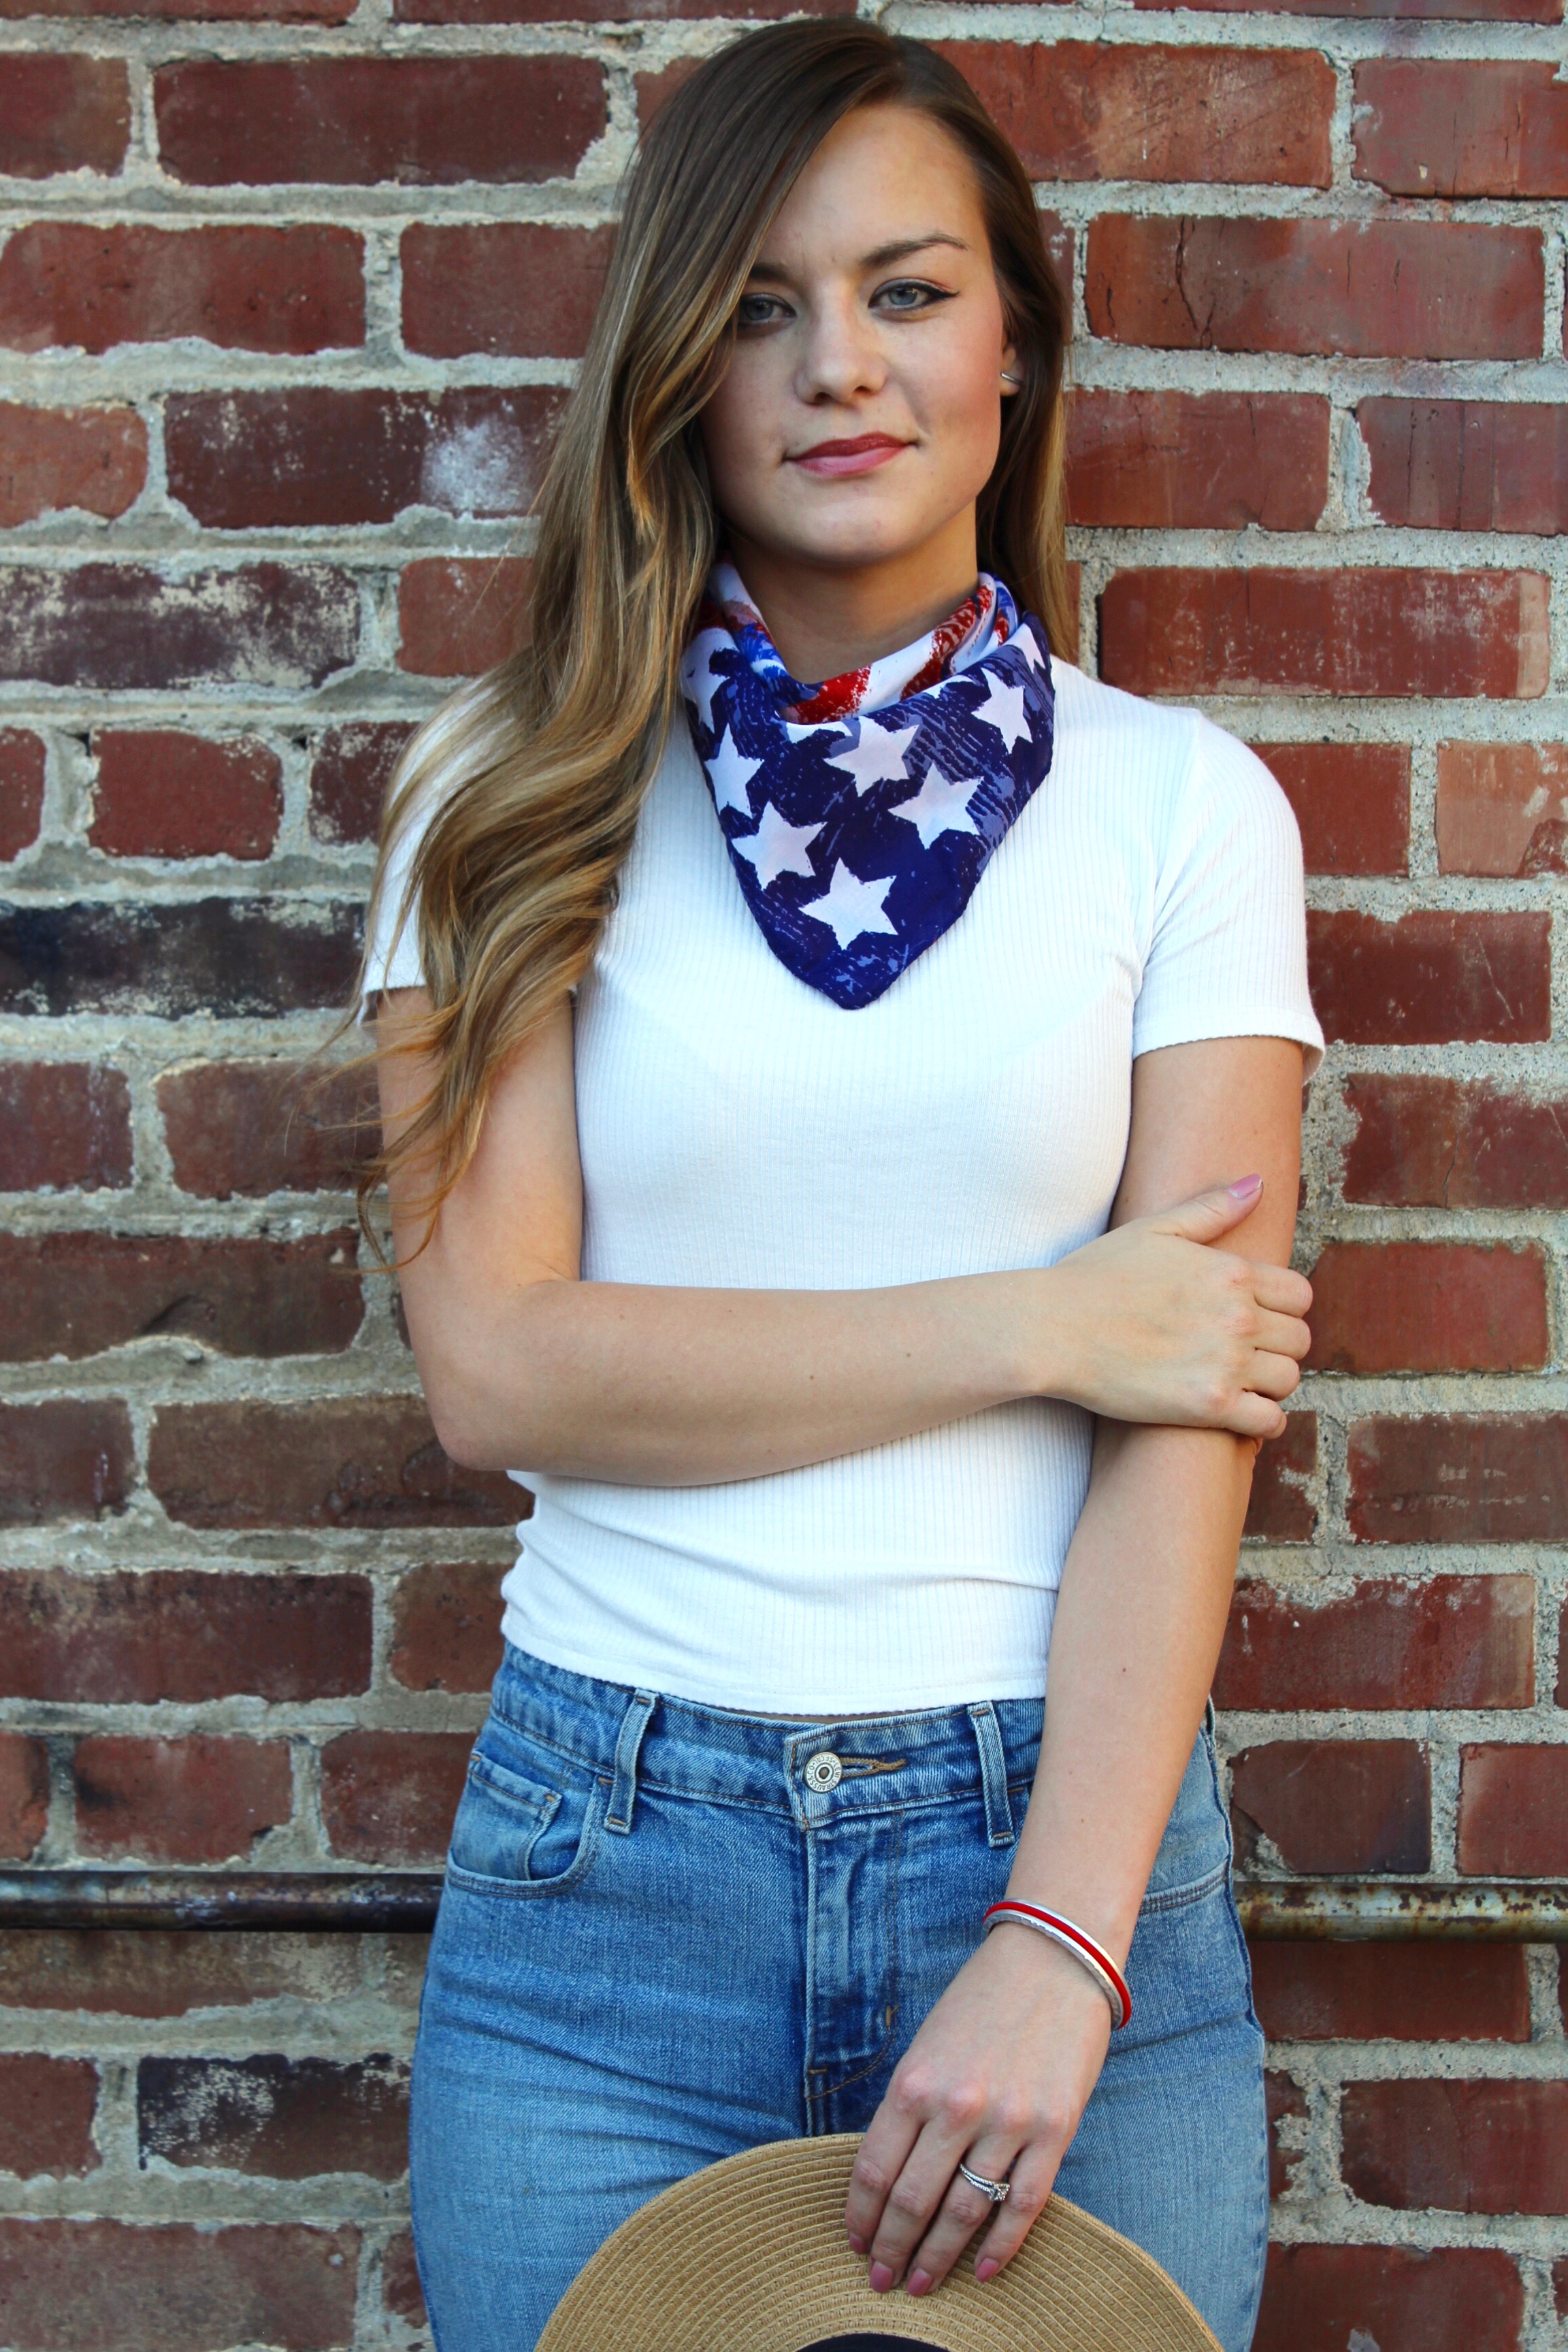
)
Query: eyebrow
[{"x": 899, "y": 249}]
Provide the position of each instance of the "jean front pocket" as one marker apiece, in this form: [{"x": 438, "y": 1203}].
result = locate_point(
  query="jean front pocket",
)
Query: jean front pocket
[{"x": 528, "y": 1821}]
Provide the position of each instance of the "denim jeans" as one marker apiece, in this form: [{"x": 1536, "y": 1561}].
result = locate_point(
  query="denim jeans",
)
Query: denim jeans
[{"x": 665, "y": 1939}]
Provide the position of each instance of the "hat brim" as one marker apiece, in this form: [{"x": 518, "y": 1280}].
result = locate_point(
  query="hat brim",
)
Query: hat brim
[{"x": 750, "y": 2255}]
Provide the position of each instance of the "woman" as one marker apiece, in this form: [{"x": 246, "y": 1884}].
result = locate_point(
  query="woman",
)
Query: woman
[{"x": 763, "y": 1062}]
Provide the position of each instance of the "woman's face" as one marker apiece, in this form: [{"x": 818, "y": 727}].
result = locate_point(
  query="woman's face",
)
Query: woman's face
[{"x": 859, "y": 418}]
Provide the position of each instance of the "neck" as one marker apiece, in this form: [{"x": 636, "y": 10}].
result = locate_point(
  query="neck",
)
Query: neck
[{"x": 826, "y": 620}]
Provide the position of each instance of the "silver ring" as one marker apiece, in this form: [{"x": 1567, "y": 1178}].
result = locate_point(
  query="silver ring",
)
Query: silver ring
[{"x": 996, "y": 2189}]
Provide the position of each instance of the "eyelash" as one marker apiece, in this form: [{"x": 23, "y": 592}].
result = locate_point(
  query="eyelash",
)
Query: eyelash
[{"x": 932, "y": 296}]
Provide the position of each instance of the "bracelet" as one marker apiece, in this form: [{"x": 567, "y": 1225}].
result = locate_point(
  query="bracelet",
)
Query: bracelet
[{"x": 1084, "y": 1949}]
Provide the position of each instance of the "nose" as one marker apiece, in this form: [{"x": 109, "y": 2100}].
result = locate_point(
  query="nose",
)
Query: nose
[{"x": 841, "y": 359}]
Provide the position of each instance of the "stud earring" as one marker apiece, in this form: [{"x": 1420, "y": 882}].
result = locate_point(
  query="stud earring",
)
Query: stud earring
[{"x": 1008, "y": 378}]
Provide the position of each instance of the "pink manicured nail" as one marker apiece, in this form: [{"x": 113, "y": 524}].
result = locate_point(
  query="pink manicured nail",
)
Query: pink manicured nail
[
  {"x": 986, "y": 2269},
  {"x": 917, "y": 2282},
  {"x": 881, "y": 2278},
  {"x": 1245, "y": 1186}
]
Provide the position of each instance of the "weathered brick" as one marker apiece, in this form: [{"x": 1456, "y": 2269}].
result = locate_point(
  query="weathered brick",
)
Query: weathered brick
[
  {"x": 604, "y": 12},
  {"x": 366, "y": 1462},
  {"x": 1502, "y": 808},
  {"x": 287, "y": 2118},
  {"x": 1311, "y": 631},
  {"x": 1470, "y": 129},
  {"x": 446, "y": 1626},
  {"x": 24, "y": 1795},
  {"x": 459, "y": 615},
  {"x": 1428, "y": 1306},
  {"x": 1462, "y": 2148},
  {"x": 1453, "y": 2299},
  {"x": 1097, "y": 111},
  {"x": 316, "y": 455},
  {"x": 1513, "y": 1812},
  {"x": 73, "y": 1294},
  {"x": 400, "y": 2287},
  {"x": 70, "y": 1458},
  {"x": 64, "y": 1125},
  {"x": 1334, "y": 1804},
  {"x": 1190, "y": 461},
  {"x": 54, "y": 459},
  {"x": 1351, "y": 802},
  {"x": 62, "y": 113},
  {"x": 161, "y": 794},
  {"x": 1364, "y": 289},
  {"x": 329, "y": 12},
  {"x": 250, "y": 1128},
  {"x": 389, "y": 1796},
  {"x": 1522, "y": 12},
  {"x": 123, "y": 627},
  {"x": 150, "y": 1635},
  {"x": 1459, "y": 1479},
  {"x": 1467, "y": 464},
  {"x": 1451, "y": 1641},
  {"x": 200, "y": 1799},
  {"x": 514, "y": 289},
  {"x": 1432, "y": 1142},
  {"x": 422, "y": 121},
  {"x": 1280, "y": 1509},
  {"x": 119, "y": 1972},
  {"x": 1431, "y": 978},
  {"x": 207, "y": 955},
  {"x": 47, "y": 2108},
  {"x": 22, "y": 765},
  {"x": 1282, "y": 2099},
  {"x": 247, "y": 289},
  {"x": 349, "y": 770},
  {"x": 1392, "y": 1993},
  {"x": 172, "y": 2286}
]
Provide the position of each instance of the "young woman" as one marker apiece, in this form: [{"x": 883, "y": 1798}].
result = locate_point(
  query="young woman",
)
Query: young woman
[{"x": 818, "y": 1117}]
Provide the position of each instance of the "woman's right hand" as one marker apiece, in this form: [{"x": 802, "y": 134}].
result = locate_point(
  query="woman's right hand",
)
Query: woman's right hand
[{"x": 1152, "y": 1323}]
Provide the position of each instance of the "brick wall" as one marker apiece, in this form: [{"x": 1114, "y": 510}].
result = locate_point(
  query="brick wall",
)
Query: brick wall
[{"x": 289, "y": 293}]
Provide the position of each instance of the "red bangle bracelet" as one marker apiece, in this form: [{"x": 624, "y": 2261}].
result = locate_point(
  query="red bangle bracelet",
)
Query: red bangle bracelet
[{"x": 1084, "y": 1949}]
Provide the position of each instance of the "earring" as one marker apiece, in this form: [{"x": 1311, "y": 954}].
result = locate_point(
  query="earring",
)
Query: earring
[{"x": 1008, "y": 378}]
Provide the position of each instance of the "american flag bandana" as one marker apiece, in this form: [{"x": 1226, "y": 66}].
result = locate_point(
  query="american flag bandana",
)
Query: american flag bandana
[{"x": 860, "y": 815}]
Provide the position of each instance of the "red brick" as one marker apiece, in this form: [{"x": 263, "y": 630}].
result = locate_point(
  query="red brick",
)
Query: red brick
[
  {"x": 1461, "y": 2147},
  {"x": 400, "y": 2281},
  {"x": 446, "y": 1626},
  {"x": 328, "y": 12},
  {"x": 1392, "y": 1993},
  {"x": 163, "y": 794},
  {"x": 287, "y": 2118},
  {"x": 603, "y": 12},
  {"x": 178, "y": 958},
  {"x": 1431, "y": 979},
  {"x": 1351, "y": 802},
  {"x": 1467, "y": 464},
  {"x": 1475, "y": 128},
  {"x": 1451, "y": 1641},
  {"x": 422, "y": 121},
  {"x": 1190, "y": 461},
  {"x": 64, "y": 1125},
  {"x": 24, "y": 1795},
  {"x": 1513, "y": 1812},
  {"x": 22, "y": 761},
  {"x": 54, "y": 459},
  {"x": 62, "y": 113},
  {"x": 1428, "y": 1306},
  {"x": 251, "y": 1128},
  {"x": 69, "y": 1459},
  {"x": 1502, "y": 808},
  {"x": 457, "y": 616},
  {"x": 1438, "y": 1144},
  {"x": 73, "y": 1294},
  {"x": 1334, "y": 1804},
  {"x": 1317, "y": 631},
  {"x": 1453, "y": 2299},
  {"x": 123, "y": 627},
  {"x": 1280, "y": 1509},
  {"x": 196, "y": 1799},
  {"x": 515, "y": 289},
  {"x": 1366, "y": 289},
  {"x": 1482, "y": 1478},
  {"x": 1283, "y": 2099},
  {"x": 139, "y": 1973},
  {"x": 151, "y": 1636},
  {"x": 389, "y": 1796},
  {"x": 349, "y": 770},
  {"x": 1093, "y": 110},
  {"x": 357, "y": 1461},
  {"x": 47, "y": 2108},
  {"x": 247, "y": 288},
  {"x": 175, "y": 2286}
]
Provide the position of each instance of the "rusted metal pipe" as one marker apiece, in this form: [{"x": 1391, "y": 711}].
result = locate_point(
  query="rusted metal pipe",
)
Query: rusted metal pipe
[{"x": 1369, "y": 1910}]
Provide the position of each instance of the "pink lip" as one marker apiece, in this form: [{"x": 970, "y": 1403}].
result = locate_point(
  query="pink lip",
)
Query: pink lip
[{"x": 833, "y": 458}]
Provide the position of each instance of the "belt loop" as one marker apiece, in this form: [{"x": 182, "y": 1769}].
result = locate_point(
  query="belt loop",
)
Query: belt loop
[
  {"x": 623, "y": 1787},
  {"x": 993, "y": 1773}
]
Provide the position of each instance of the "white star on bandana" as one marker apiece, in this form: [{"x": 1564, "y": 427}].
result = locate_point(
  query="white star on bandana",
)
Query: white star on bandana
[
  {"x": 731, "y": 774},
  {"x": 1003, "y": 710},
  {"x": 776, "y": 848},
  {"x": 938, "y": 806},
  {"x": 849, "y": 907},
  {"x": 878, "y": 758}
]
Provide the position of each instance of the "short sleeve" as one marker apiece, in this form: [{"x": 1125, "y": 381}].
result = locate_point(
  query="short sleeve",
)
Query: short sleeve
[
  {"x": 1228, "y": 955},
  {"x": 392, "y": 948}
]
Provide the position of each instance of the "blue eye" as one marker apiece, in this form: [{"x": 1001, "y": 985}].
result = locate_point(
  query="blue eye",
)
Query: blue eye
[{"x": 759, "y": 310}]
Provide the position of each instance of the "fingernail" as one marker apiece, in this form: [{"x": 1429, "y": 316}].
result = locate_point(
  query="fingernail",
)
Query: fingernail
[
  {"x": 857, "y": 2245},
  {"x": 881, "y": 2278},
  {"x": 1245, "y": 1186},
  {"x": 917, "y": 2282},
  {"x": 986, "y": 2269}
]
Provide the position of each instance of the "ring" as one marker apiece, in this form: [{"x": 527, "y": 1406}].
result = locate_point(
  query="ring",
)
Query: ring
[{"x": 996, "y": 2189}]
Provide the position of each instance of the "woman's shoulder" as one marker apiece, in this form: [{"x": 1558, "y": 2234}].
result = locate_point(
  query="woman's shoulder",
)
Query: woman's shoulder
[{"x": 1158, "y": 764}]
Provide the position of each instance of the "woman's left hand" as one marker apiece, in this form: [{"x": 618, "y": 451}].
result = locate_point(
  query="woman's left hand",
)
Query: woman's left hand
[{"x": 997, "y": 2075}]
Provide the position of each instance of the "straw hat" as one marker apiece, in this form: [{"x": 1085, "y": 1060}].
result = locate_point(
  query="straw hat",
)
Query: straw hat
[{"x": 751, "y": 2256}]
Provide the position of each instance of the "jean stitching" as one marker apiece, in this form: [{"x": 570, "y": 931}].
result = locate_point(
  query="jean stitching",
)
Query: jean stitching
[
  {"x": 880, "y": 2054},
  {"x": 1178, "y": 1898},
  {"x": 473, "y": 1882}
]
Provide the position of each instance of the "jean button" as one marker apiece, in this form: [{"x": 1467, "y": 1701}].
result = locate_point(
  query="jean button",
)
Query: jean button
[{"x": 824, "y": 1771}]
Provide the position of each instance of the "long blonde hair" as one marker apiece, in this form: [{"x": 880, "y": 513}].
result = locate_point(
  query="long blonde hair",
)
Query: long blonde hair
[{"x": 538, "y": 770}]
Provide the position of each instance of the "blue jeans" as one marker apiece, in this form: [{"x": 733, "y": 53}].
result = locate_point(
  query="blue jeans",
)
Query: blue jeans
[{"x": 660, "y": 1944}]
